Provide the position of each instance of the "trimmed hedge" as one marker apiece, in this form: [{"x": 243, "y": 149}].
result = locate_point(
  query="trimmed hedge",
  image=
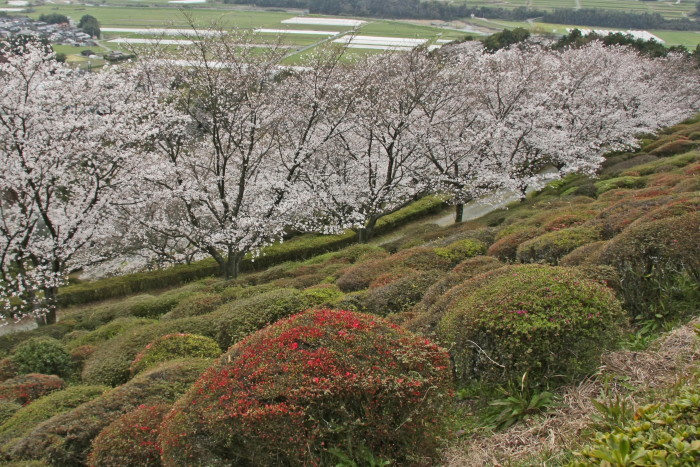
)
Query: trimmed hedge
[
  {"x": 108, "y": 331},
  {"x": 552, "y": 246},
  {"x": 111, "y": 362},
  {"x": 399, "y": 295},
  {"x": 42, "y": 355},
  {"x": 506, "y": 248},
  {"x": 65, "y": 439},
  {"x": 173, "y": 346},
  {"x": 550, "y": 322},
  {"x": 131, "y": 440},
  {"x": 320, "y": 382},
  {"x": 26, "y": 419},
  {"x": 297, "y": 248},
  {"x": 25, "y": 389},
  {"x": 360, "y": 276},
  {"x": 652, "y": 258},
  {"x": 236, "y": 320},
  {"x": 195, "y": 305}
]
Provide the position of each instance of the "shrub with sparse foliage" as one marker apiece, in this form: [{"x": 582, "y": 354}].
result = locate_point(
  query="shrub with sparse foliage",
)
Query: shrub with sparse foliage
[
  {"x": 317, "y": 382},
  {"x": 550, "y": 322},
  {"x": 131, "y": 440}
]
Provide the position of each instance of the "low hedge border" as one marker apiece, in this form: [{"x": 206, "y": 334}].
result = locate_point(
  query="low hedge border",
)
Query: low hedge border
[{"x": 295, "y": 249}]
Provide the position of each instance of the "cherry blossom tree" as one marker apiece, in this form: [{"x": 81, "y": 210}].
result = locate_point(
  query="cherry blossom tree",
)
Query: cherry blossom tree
[
  {"x": 234, "y": 136},
  {"x": 66, "y": 140},
  {"x": 527, "y": 109},
  {"x": 372, "y": 167}
]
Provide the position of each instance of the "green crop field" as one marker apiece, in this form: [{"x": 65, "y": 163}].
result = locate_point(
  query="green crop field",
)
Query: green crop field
[{"x": 668, "y": 8}]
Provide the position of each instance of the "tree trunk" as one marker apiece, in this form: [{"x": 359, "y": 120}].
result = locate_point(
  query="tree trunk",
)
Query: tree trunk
[
  {"x": 49, "y": 317},
  {"x": 365, "y": 233},
  {"x": 459, "y": 213},
  {"x": 231, "y": 266}
]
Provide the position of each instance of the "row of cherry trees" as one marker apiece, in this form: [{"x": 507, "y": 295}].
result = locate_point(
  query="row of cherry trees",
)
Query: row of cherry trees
[{"x": 222, "y": 151}]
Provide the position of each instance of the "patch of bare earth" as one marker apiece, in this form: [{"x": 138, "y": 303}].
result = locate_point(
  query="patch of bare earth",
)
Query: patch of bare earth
[{"x": 627, "y": 374}]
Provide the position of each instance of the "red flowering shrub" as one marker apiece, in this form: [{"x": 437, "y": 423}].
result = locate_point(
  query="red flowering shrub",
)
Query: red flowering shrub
[
  {"x": 172, "y": 346},
  {"x": 65, "y": 439},
  {"x": 316, "y": 382},
  {"x": 131, "y": 440},
  {"x": 24, "y": 389},
  {"x": 550, "y": 322}
]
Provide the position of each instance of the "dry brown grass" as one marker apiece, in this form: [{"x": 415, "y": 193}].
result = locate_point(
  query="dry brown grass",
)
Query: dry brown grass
[{"x": 540, "y": 441}]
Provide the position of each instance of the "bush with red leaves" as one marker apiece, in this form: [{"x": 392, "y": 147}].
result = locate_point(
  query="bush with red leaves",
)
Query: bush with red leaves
[
  {"x": 308, "y": 387},
  {"x": 131, "y": 440},
  {"x": 24, "y": 389}
]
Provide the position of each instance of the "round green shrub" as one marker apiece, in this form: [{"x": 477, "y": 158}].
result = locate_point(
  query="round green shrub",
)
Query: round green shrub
[
  {"x": 552, "y": 246},
  {"x": 238, "y": 292},
  {"x": 65, "y": 439},
  {"x": 25, "y": 389},
  {"x": 323, "y": 295},
  {"x": 550, "y": 322},
  {"x": 172, "y": 346},
  {"x": 461, "y": 250},
  {"x": 426, "y": 317},
  {"x": 399, "y": 295},
  {"x": 108, "y": 331},
  {"x": 42, "y": 355},
  {"x": 131, "y": 440},
  {"x": 659, "y": 265},
  {"x": 678, "y": 146},
  {"x": 361, "y": 276},
  {"x": 195, "y": 305},
  {"x": 161, "y": 304},
  {"x": 7, "y": 410},
  {"x": 505, "y": 248},
  {"x": 237, "y": 319},
  {"x": 110, "y": 363},
  {"x": 585, "y": 254},
  {"x": 26, "y": 419},
  {"x": 96, "y": 316},
  {"x": 312, "y": 384}
]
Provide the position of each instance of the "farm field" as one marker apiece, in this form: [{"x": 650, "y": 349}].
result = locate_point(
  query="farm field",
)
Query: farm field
[
  {"x": 689, "y": 39},
  {"x": 668, "y": 9},
  {"x": 270, "y": 27}
]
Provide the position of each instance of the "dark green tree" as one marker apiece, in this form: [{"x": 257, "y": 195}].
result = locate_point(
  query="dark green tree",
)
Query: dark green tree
[
  {"x": 505, "y": 38},
  {"x": 54, "y": 18},
  {"x": 90, "y": 25}
]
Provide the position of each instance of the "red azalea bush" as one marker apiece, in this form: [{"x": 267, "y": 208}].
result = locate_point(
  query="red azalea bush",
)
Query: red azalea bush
[
  {"x": 309, "y": 386},
  {"x": 24, "y": 389},
  {"x": 131, "y": 440}
]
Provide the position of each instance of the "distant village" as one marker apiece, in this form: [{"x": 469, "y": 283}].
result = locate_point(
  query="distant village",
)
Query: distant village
[{"x": 62, "y": 34}]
